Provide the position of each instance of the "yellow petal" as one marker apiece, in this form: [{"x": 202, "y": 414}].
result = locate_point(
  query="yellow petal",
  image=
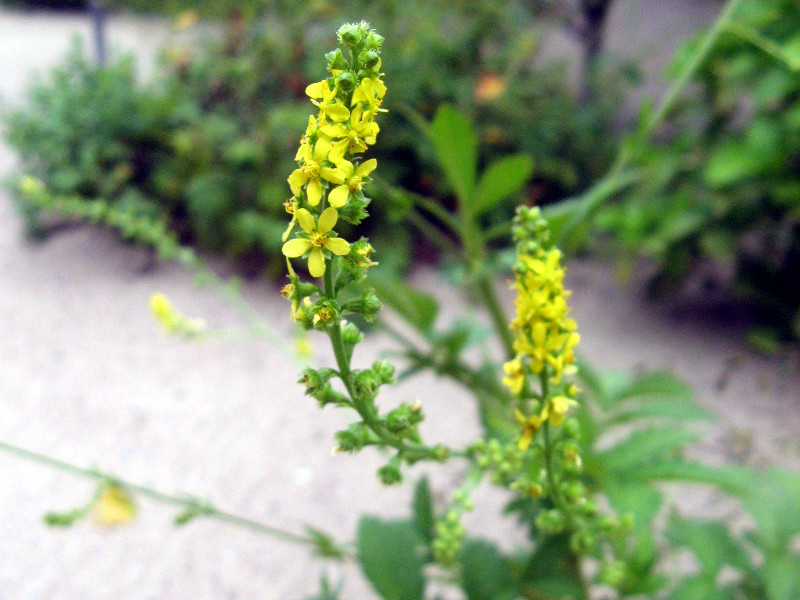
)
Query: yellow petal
[
  {"x": 367, "y": 167},
  {"x": 337, "y": 112},
  {"x": 114, "y": 506},
  {"x": 316, "y": 263},
  {"x": 297, "y": 180},
  {"x": 338, "y": 196},
  {"x": 338, "y": 246},
  {"x": 336, "y": 154},
  {"x": 347, "y": 168},
  {"x": 305, "y": 219},
  {"x": 314, "y": 192},
  {"x": 327, "y": 220},
  {"x": 296, "y": 247},
  {"x": 332, "y": 175},
  {"x": 286, "y": 233},
  {"x": 317, "y": 90}
]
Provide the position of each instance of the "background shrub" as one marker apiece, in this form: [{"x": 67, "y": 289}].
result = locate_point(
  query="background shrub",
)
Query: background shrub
[
  {"x": 208, "y": 144},
  {"x": 723, "y": 188}
]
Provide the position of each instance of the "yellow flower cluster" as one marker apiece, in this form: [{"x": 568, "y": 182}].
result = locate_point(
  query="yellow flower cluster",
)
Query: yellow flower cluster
[
  {"x": 329, "y": 176},
  {"x": 545, "y": 336}
]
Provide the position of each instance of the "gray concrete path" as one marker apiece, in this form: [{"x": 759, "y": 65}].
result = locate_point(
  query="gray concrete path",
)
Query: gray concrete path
[{"x": 87, "y": 376}]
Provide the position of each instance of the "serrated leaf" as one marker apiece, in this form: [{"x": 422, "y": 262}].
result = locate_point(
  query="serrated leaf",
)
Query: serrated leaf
[
  {"x": 501, "y": 179},
  {"x": 422, "y": 507},
  {"x": 456, "y": 146},
  {"x": 388, "y": 554},
  {"x": 485, "y": 573},
  {"x": 417, "y": 308},
  {"x": 773, "y": 503},
  {"x": 642, "y": 447},
  {"x": 710, "y": 542}
]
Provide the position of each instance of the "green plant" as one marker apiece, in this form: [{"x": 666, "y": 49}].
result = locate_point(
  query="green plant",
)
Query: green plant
[
  {"x": 561, "y": 454},
  {"x": 722, "y": 188},
  {"x": 206, "y": 144}
]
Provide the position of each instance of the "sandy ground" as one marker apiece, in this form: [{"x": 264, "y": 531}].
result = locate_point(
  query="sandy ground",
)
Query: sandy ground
[{"x": 87, "y": 376}]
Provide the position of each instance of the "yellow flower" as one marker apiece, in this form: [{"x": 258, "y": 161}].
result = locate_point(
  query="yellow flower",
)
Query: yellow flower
[
  {"x": 329, "y": 106},
  {"x": 291, "y": 207},
  {"x": 530, "y": 426},
  {"x": 308, "y": 173},
  {"x": 353, "y": 136},
  {"x": 349, "y": 180},
  {"x": 114, "y": 506},
  {"x": 557, "y": 409},
  {"x": 516, "y": 375},
  {"x": 370, "y": 92},
  {"x": 316, "y": 239}
]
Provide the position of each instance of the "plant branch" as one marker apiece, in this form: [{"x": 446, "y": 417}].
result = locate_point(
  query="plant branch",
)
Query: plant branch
[{"x": 182, "y": 501}]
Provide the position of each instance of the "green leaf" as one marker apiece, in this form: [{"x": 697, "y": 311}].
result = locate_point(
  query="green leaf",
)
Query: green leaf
[
  {"x": 782, "y": 577},
  {"x": 547, "y": 574},
  {"x": 485, "y": 573},
  {"x": 418, "y": 309},
  {"x": 636, "y": 499},
  {"x": 773, "y": 503},
  {"x": 699, "y": 587},
  {"x": 422, "y": 507},
  {"x": 456, "y": 146},
  {"x": 710, "y": 542},
  {"x": 732, "y": 162},
  {"x": 501, "y": 179},
  {"x": 642, "y": 447},
  {"x": 388, "y": 554},
  {"x": 659, "y": 409},
  {"x": 728, "y": 478}
]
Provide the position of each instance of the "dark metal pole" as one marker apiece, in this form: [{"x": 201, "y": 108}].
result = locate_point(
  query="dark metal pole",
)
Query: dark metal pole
[{"x": 98, "y": 13}]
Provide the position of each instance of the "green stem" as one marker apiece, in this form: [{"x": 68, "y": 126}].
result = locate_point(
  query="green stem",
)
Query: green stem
[
  {"x": 706, "y": 45},
  {"x": 764, "y": 44},
  {"x": 498, "y": 315},
  {"x": 431, "y": 232},
  {"x": 362, "y": 405},
  {"x": 147, "y": 492}
]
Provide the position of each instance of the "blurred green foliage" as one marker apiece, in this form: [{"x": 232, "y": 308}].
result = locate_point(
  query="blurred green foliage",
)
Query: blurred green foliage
[
  {"x": 722, "y": 186},
  {"x": 208, "y": 143}
]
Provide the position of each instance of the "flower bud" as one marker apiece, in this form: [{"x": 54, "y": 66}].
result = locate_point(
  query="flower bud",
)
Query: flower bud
[
  {"x": 346, "y": 82},
  {"x": 384, "y": 370},
  {"x": 348, "y": 34},
  {"x": 550, "y": 522},
  {"x": 336, "y": 60},
  {"x": 369, "y": 59},
  {"x": 389, "y": 474}
]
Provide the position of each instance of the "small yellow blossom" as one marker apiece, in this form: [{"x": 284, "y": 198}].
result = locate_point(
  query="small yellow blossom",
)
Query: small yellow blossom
[
  {"x": 308, "y": 173},
  {"x": 114, "y": 506},
  {"x": 348, "y": 178},
  {"x": 323, "y": 315},
  {"x": 530, "y": 426},
  {"x": 557, "y": 409},
  {"x": 353, "y": 136},
  {"x": 317, "y": 237},
  {"x": 325, "y": 99},
  {"x": 291, "y": 207},
  {"x": 370, "y": 92},
  {"x": 515, "y": 372}
]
